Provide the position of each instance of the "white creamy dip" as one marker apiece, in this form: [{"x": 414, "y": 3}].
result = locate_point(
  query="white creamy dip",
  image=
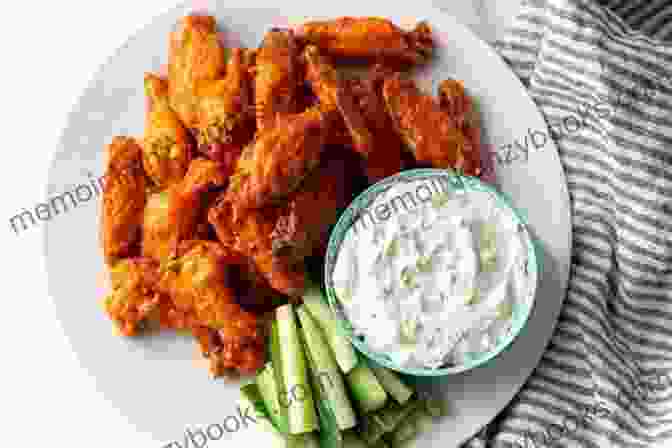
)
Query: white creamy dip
[{"x": 429, "y": 277}]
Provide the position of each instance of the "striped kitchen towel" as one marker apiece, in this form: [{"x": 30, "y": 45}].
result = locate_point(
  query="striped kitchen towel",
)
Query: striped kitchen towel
[{"x": 606, "y": 378}]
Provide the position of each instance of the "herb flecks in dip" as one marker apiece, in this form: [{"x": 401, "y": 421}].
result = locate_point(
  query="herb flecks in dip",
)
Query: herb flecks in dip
[{"x": 433, "y": 282}]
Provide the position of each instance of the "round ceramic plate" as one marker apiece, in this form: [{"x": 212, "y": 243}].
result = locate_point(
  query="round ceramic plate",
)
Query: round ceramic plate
[{"x": 155, "y": 381}]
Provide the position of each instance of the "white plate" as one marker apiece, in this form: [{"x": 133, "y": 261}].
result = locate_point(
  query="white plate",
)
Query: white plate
[{"x": 154, "y": 381}]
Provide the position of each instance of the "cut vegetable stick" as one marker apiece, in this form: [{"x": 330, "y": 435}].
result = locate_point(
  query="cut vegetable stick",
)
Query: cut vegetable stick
[
  {"x": 392, "y": 384},
  {"x": 276, "y": 358},
  {"x": 342, "y": 348},
  {"x": 301, "y": 407},
  {"x": 329, "y": 435},
  {"x": 270, "y": 393},
  {"x": 276, "y": 361},
  {"x": 328, "y": 375}
]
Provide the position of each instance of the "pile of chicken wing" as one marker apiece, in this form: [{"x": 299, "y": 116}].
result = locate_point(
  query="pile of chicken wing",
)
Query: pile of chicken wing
[{"x": 248, "y": 156}]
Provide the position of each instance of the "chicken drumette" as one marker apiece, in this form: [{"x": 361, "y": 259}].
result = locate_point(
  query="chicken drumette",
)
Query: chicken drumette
[{"x": 167, "y": 145}]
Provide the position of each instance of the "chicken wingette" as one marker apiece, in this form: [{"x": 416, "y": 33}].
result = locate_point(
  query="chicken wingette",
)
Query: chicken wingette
[
  {"x": 454, "y": 99},
  {"x": 224, "y": 115},
  {"x": 429, "y": 131},
  {"x": 196, "y": 282},
  {"x": 123, "y": 199},
  {"x": 334, "y": 95},
  {"x": 371, "y": 38},
  {"x": 195, "y": 55},
  {"x": 387, "y": 156},
  {"x": 276, "y": 78}
]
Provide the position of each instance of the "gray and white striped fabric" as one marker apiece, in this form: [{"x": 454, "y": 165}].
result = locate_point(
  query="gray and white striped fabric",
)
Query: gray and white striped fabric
[{"x": 606, "y": 378}]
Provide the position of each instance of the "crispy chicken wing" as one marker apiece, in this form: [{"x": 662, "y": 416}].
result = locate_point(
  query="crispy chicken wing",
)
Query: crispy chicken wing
[
  {"x": 133, "y": 298},
  {"x": 386, "y": 159},
  {"x": 454, "y": 99},
  {"x": 123, "y": 198},
  {"x": 176, "y": 214},
  {"x": 224, "y": 118},
  {"x": 278, "y": 160},
  {"x": 302, "y": 228},
  {"x": 334, "y": 95},
  {"x": 430, "y": 132},
  {"x": 370, "y": 38},
  {"x": 196, "y": 281},
  {"x": 276, "y": 78},
  {"x": 250, "y": 234},
  {"x": 195, "y": 55},
  {"x": 167, "y": 146}
]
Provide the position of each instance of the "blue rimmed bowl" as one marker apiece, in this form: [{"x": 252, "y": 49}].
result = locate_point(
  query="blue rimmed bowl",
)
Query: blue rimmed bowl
[{"x": 452, "y": 183}]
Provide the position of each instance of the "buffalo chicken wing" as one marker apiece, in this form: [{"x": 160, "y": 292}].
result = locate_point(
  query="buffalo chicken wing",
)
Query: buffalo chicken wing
[
  {"x": 276, "y": 78},
  {"x": 123, "y": 199},
  {"x": 250, "y": 233},
  {"x": 430, "y": 132},
  {"x": 371, "y": 38},
  {"x": 333, "y": 94},
  {"x": 224, "y": 118},
  {"x": 386, "y": 158},
  {"x": 195, "y": 55},
  {"x": 197, "y": 283},
  {"x": 278, "y": 160}
]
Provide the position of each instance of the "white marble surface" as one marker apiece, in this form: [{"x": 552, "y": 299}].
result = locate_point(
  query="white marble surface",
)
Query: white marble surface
[{"x": 488, "y": 18}]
